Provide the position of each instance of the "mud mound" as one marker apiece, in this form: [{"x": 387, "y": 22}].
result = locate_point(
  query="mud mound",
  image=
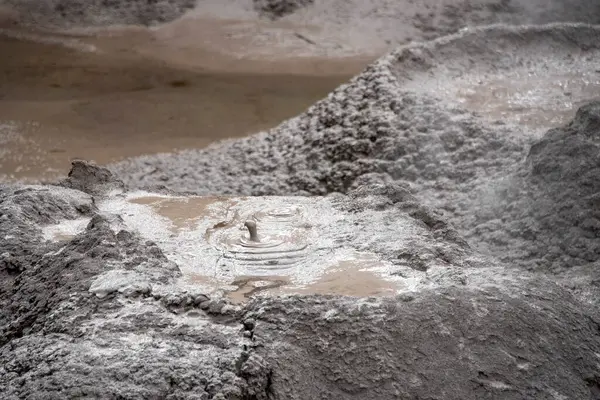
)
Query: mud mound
[
  {"x": 93, "y": 305},
  {"x": 78, "y": 13},
  {"x": 90, "y": 179},
  {"x": 467, "y": 342},
  {"x": 546, "y": 213},
  {"x": 103, "y": 314},
  {"x": 387, "y": 120},
  {"x": 21, "y": 209},
  {"x": 454, "y": 119}
]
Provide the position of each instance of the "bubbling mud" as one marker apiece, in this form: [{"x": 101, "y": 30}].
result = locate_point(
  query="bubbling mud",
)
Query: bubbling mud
[
  {"x": 283, "y": 241},
  {"x": 247, "y": 246}
]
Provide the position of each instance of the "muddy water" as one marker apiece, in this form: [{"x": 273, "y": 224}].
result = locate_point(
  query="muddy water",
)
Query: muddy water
[
  {"x": 297, "y": 251},
  {"x": 127, "y": 98},
  {"x": 186, "y": 211},
  {"x": 347, "y": 278},
  {"x": 281, "y": 233},
  {"x": 289, "y": 236}
]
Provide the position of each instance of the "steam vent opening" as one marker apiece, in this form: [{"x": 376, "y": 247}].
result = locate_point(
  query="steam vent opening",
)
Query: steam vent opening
[{"x": 244, "y": 246}]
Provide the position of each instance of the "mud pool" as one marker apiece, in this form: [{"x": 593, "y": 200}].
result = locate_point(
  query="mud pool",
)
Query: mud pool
[{"x": 300, "y": 246}]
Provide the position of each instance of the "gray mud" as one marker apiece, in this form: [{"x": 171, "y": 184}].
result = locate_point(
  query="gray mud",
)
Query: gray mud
[
  {"x": 506, "y": 252},
  {"x": 76, "y": 13},
  {"x": 279, "y": 8},
  {"x": 474, "y": 328},
  {"x": 378, "y": 124}
]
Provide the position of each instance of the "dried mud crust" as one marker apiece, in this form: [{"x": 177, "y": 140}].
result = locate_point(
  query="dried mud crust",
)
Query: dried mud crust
[
  {"x": 464, "y": 342},
  {"x": 77, "y": 13}
]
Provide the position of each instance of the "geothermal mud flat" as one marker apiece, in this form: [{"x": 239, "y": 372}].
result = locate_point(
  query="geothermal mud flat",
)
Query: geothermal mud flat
[{"x": 474, "y": 209}]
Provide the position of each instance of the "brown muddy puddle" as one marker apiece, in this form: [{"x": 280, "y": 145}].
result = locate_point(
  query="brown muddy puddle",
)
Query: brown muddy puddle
[
  {"x": 184, "y": 212},
  {"x": 59, "y": 103},
  {"x": 539, "y": 102},
  {"x": 348, "y": 278},
  {"x": 284, "y": 240}
]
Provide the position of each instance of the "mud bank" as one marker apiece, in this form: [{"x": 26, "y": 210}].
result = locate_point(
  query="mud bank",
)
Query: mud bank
[
  {"x": 103, "y": 313},
  {"x": 398, "y": 117}
]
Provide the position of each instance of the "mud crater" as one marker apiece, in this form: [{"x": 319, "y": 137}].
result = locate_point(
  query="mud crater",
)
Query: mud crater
[{"x": 243, "y": 246}]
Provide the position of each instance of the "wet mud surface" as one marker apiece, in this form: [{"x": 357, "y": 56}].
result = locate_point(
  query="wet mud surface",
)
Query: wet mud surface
[
  {"x": 58, "y": 104},
  {"x": 246, "y": 245}
]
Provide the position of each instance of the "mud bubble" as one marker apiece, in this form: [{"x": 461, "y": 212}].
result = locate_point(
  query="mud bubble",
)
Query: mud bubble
[{"x": 243, "y": 246}]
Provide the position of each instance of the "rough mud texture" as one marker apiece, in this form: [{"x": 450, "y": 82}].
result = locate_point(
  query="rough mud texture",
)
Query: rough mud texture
[
  {"x": 62, "y": 337},
  {"x": 69, "y": 13},
  {"x": 546, "y": 213},
  {"x": 88, "y": 178},
  {"x": 278, "y": 8},
  {"x": 378, "y": 128},
  {"x": 99, "y": 316},
  {"x": 493, "y": 338},
  {"x": 545, "y": 216},
  {"x": 528, "y": 202}
]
